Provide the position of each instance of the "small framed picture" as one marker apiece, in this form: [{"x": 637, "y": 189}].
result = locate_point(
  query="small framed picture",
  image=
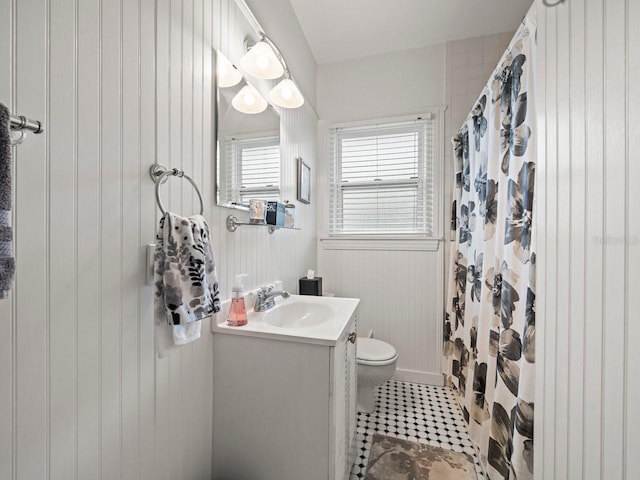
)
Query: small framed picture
[{"x": 304, "y": 182}]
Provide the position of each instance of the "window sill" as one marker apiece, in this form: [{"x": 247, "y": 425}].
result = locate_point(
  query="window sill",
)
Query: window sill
[{"x": 381, "y": 243}]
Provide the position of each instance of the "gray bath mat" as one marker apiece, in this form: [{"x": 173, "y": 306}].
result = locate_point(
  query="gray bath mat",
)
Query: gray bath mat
[{"x": 396, "y": 459}]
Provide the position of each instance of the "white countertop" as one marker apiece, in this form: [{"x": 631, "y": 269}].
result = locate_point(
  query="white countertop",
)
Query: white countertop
[{"x": 325, "y": 333}]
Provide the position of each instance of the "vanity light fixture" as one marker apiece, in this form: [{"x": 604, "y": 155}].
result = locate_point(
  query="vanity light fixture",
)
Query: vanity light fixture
[
  {"x": 261, "y": 61},
  {"x": 248, "y": 100},
  {"x": 286, "y": 94},
  {"x": 264, "y": 60},
  {"x": 228, "y": 75}
]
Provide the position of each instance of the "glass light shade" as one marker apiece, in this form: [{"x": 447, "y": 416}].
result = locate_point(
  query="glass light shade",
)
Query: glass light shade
[
  {"x": 286, "y": 94},
  {"x": 262, "y": 62},
  {"x": 248, "y": 100},
  {"x": 227, "y": 74}
]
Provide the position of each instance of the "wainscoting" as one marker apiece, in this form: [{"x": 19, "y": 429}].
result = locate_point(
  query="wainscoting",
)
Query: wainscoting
[
  {"x": 588, "y": 192},
  {"x": 401, "y": 298},
  {"x": 119, "y": 86}
]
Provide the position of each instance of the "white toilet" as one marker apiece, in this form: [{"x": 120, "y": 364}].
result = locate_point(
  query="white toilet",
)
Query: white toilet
[{"x": 376, "y": 364}]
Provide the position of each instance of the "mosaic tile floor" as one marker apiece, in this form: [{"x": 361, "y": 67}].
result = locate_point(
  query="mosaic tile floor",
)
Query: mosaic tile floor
[{"x": 421, "y": 413}]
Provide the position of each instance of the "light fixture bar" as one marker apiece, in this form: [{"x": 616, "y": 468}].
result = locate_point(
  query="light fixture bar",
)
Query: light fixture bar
[{"x": 278, "y": 53}]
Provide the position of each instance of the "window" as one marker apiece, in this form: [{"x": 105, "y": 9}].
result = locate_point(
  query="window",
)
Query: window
[
  {"x": 382, "y": 178},
  {"x": 255, "y": 171}
]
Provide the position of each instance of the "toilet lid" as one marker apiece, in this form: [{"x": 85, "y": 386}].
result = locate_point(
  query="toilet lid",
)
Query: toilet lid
[{"x": 374, "y": 350}]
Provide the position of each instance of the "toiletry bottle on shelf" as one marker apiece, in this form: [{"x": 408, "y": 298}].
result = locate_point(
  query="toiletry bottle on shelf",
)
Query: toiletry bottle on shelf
[{"x": 237, "y": 311}]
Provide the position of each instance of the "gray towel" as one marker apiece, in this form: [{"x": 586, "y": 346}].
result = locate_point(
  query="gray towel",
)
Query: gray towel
[
  {"x": 7, "y": 262},
  {"x": 185, "y": 275}
]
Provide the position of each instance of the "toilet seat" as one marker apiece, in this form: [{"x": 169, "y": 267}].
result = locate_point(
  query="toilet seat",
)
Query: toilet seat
[{"x": 372, "y": 351}]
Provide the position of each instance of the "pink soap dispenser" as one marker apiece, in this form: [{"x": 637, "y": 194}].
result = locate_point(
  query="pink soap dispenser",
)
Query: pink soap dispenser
[{"x": 237, "y": 311}]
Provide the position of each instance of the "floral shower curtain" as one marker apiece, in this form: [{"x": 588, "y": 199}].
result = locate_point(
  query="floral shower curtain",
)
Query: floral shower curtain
[{"x": 490, "y": 315}]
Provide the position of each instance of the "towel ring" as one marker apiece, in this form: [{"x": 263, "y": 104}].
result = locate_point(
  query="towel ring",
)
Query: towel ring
[{"x": 160, "y": 174}]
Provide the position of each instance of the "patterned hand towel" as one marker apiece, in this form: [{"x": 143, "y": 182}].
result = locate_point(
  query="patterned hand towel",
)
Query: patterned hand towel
[
  {"x": 185, "y": 275},
  {"x": 7, "y": 262}
]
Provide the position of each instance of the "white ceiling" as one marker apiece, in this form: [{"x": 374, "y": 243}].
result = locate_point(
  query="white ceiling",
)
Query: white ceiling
[{"x": 343, "y": 29}]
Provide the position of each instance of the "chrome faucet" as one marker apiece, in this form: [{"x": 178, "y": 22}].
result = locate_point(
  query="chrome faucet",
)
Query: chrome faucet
[{"x": 266, "y": 299}]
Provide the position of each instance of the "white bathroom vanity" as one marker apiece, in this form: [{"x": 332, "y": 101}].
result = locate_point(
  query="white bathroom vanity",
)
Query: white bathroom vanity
[{"x": 284, "y": 392}]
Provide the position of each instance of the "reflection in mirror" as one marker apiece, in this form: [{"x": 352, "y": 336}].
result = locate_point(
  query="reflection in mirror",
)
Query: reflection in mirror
[{"x": 248, "y": 146}]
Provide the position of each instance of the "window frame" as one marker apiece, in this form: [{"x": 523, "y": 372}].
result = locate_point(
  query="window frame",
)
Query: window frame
[{"x": 368, "y": 240}]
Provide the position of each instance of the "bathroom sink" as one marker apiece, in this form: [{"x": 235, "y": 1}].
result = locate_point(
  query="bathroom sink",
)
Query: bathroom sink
[
  {"x": 295, "y": 313},
  {"x": 299, "y": 318}
]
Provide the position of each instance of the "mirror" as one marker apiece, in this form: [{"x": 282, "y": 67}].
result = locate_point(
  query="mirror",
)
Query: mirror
[{"x": 248, "y": 144}]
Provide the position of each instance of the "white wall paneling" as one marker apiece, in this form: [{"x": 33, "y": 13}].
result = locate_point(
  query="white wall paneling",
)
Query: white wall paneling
[
  {"x": 119, "y": 86},
  {"x": 7, "y": 343},
  {"x": 401, "y": 301},
  {"x": 632, "y": 333},
  {"x": 587, "y": 409}
]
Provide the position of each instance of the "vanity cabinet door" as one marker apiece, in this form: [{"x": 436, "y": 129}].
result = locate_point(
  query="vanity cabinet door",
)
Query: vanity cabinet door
[
  {"x": 271, "y": 408},
  {"x": 343, "y": 391}
]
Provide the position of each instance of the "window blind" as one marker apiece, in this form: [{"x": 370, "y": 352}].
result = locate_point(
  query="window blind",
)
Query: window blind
[
  {"x": 256, "y": 169},
  {"x": 381, "y": 178}
]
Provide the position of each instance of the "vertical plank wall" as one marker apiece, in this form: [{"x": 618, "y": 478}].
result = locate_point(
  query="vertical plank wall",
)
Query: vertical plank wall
[
  {"x": 119, "y": 86},
  {"x": 587, "y": 409}
]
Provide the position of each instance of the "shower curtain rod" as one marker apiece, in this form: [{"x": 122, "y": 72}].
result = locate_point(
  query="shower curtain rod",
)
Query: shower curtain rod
[{"x": 20, "y": 122}]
